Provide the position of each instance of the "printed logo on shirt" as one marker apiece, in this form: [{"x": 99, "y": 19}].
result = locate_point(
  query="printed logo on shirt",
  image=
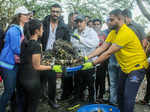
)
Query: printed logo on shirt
[{"x": 134, "y": 79}]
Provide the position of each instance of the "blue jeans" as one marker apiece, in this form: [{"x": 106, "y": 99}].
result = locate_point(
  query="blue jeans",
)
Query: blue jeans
[
  {"x": 113, "y": 70},
  {"x": 9, "y": 80},
  {"x": 128, "y": 88}
]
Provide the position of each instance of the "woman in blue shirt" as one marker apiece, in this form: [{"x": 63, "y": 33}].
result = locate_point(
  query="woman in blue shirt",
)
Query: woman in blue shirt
[{"x": 9, "y": 57}]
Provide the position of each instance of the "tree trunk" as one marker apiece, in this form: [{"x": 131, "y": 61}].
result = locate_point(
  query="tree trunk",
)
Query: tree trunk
[{"x": 143, "y": 9}]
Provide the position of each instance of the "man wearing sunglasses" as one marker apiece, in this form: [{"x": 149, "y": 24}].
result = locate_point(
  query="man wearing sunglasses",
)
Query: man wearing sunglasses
[{"x": 54, "y": 28}]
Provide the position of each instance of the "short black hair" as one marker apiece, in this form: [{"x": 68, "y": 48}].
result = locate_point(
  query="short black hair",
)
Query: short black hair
[
  {"x": 72, "y": 13},
  {"x": 56, "y": 5},
  {"x": 89, "y": 21},
  {"x": 127, "y": 13},
  {"x": 94, "y": 20},
  {"x": 116, "y": 12},
  {"x": 31, "y": 26},
  {"x": 86, "y": 16}
]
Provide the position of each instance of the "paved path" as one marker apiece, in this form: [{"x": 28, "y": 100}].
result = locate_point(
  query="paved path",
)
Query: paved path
[{"x": 142, "y": 108}]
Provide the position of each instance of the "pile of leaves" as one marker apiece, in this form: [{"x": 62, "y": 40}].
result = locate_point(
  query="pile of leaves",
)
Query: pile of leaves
[{"x": 62, "y": 54}]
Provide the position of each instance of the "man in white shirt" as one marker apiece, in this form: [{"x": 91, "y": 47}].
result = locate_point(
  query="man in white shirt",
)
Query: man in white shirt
[{"x": 84, "y": 40}]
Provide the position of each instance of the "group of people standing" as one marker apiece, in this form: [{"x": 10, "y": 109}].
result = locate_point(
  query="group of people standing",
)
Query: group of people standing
[
  {"x": 117, "y": 51},
  {"x": 21, "y": 54}
]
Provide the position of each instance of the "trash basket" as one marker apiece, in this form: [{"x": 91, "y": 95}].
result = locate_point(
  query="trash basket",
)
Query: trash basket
[{"x": 95, "y": 107}]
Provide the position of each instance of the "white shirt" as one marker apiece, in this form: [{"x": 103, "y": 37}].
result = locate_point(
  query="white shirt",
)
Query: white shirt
[
  {"x": 51, "y": 38},
  {"x": 88, "y": 42}
]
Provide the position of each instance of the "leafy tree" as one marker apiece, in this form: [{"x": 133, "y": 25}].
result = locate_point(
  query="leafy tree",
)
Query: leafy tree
[
  {"x": 92, "y": 8},
  {"x": 42, "y": 8},
  {"x": 143, "y": 8},
  {"x": 96, "y": 8}
]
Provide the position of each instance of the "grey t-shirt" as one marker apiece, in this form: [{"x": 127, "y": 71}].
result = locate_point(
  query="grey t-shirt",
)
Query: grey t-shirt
[{"x": 138, "y": 29}]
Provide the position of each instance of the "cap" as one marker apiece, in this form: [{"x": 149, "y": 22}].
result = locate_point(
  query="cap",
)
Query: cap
[
  {"x": 127, "y": 12},
  {"x": 80, "y": 18},
  {"x": 21, "y": 10}
]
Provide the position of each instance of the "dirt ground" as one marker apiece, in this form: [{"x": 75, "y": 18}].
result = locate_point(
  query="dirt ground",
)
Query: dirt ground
[{"x": 44, "y": 107}]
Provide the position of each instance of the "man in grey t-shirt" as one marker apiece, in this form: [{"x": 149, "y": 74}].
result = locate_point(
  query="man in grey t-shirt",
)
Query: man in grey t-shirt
[{"x": 137, "y": 28}]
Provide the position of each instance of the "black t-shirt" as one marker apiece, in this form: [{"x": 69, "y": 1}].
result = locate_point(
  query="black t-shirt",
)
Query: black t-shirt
[
  {"x": 138, "y": 29},
  {"x": 27, "y": 49},
  {"x": 27, "y": 75}
]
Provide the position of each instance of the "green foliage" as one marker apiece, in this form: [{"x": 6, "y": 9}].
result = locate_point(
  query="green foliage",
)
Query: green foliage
[
  {"x": 141, "y": 20},
  {"x": 92, "y": 8},
  {"x": 97, "y": 8},
  {"x": 8, "y": 7}
]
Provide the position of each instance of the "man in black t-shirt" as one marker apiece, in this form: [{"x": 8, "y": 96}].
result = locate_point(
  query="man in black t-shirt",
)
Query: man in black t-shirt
[{"x": 137, "y": 28}]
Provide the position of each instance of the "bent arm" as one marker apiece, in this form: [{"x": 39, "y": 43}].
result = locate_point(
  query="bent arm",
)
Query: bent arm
[
  {"x": 36, "y": 59},
  {"x": 99, "y": 50},
  {"x": 113, "y": 48}
]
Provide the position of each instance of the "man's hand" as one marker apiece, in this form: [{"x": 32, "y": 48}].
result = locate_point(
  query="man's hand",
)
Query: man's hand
[
  {"x": 57, "y": 68},
  {"x": 76, "y": 36},
  {"x": 87, "y": 65},
  {"x": 81, "y": 59}
]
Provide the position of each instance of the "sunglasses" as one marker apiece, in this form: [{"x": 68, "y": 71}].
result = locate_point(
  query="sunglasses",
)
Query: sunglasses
[{"x": 55, "y": 11}]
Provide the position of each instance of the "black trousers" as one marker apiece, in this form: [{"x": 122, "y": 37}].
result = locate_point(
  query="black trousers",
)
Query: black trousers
[
  {"x": 29, "y": 90},
  {"x": 48, "y": 83},
  {"x": 67, "y": 85},
  {"x": 100, "y": 80},
  {"x": 147, "y": 95},
  {"x": 82, "y": 79}
]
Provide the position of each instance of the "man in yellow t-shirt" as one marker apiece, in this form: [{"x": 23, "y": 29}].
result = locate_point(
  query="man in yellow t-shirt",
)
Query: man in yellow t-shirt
[
  {"x": 126, "y": 46},
  {"x": 131, "y": 55}
]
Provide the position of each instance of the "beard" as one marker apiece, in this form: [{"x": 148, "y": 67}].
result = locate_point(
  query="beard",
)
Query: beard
[
  {"x": 114, "y": 27},
  {"x": 54, "y": 18}
]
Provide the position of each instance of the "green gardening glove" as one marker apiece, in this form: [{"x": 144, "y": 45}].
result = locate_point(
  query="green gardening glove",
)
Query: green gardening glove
[
  {"x": 82, "y": 59},
  {"x": 87, "y": 65},
  {"x": 57, "y": 68},
  {"x": 86, "y": 58},
  {"x": 76, "y": 36}
]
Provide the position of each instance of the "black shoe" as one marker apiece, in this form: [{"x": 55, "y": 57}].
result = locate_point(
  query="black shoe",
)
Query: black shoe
[
  {"x": 64, "y": 98},
  {"x": 53, "y": 104}
]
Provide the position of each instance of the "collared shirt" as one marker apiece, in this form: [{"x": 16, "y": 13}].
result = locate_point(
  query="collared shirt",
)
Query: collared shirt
[
  {"x": 88, "y": 41},
  {"x": 131, "y": 56},
  {"x": 51, "y": 38}
]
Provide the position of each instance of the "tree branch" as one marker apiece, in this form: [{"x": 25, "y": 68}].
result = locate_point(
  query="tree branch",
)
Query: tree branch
[{"x": 143, "y": 10}]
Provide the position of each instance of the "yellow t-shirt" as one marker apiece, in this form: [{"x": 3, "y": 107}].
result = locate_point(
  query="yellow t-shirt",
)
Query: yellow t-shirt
[{"x": 131, "y": 56}]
